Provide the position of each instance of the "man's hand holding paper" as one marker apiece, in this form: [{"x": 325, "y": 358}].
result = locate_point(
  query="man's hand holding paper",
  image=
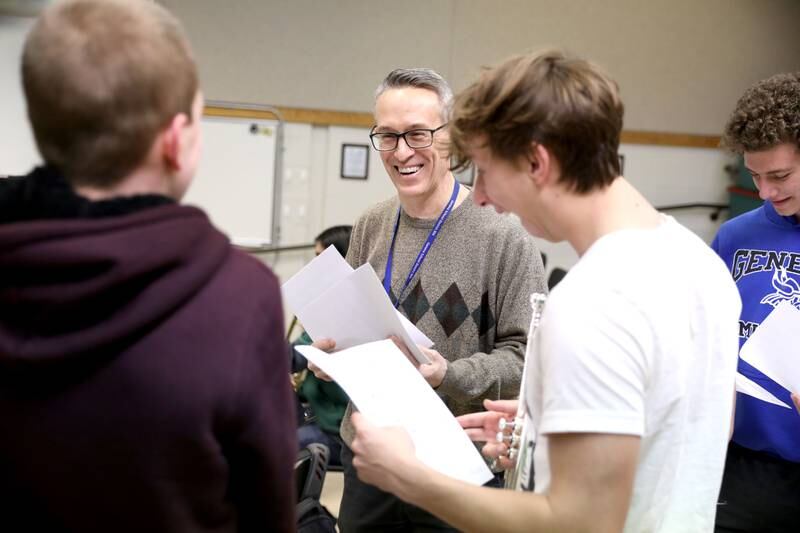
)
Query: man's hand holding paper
[
  {"x": 334, "y": 301},
  {"x": 323, "y": 345},
  {"x": 434, "y": 371}
]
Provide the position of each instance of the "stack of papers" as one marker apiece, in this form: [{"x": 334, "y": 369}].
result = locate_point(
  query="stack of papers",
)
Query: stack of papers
[
  {"x": 394, "y": 393},
  {"x": 334, "y": 301},
  {"x": 773, "y": 350},
  {"x": 331, "y": 300}
]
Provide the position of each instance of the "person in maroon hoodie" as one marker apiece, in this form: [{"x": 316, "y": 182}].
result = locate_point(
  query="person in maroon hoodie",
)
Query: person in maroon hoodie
[{"x": 143, "y": 372}]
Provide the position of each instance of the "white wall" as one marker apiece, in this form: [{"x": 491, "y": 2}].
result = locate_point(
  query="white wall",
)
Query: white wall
[
  {"x": 17, "y": 149},
  {"x": 681, "y": 64},
  {"x": 300, "y": 180},
  {"x": 315, "y": 197},
  {"x": 344, "y": 197}
]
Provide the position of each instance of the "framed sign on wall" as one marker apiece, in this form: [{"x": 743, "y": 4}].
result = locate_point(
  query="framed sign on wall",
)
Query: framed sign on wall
[{"x": 355, "y": 161}]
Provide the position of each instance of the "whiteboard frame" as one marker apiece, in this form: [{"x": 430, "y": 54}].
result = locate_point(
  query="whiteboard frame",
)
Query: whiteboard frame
[{"x": 257, "y": 111}]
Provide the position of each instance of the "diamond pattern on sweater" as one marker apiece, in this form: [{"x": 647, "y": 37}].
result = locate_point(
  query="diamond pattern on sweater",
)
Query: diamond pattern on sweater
[
  {"x": 483, "y": 316},
  {"x": 451, "y": 310},
  {"x": 416, "y": 304}
]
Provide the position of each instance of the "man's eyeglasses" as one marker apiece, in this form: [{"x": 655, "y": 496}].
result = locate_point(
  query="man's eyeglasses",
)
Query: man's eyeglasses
[{"x": 416, "y": 138}]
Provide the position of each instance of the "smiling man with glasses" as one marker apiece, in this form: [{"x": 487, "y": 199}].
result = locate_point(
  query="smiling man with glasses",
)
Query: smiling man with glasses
[
  {"x": 416, "y": 138},
  {"x": 630, "y": 372},
  {"x": 462, "y": 274}
]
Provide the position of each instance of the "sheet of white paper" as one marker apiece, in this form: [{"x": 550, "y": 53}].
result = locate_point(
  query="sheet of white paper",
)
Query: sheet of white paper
[
  {"x": 415, "y": 333},
  {"x": 354, "y": 311},
  {"x": 324, "y": 271},
  {"x": 393, "y": 393},
  {"x": 747, "y": 386},
  {"x": 773, "y": 347}
]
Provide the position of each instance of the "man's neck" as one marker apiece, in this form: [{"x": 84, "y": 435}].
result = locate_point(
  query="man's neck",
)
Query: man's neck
[
  {"x": 140, "y": 181},
  {"x": 430, "y": 206},
  {"x": 617, "y": 207}
]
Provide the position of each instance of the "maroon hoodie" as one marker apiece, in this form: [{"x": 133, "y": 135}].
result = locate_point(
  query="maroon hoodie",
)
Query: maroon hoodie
[{"x": 143, "y": 372}]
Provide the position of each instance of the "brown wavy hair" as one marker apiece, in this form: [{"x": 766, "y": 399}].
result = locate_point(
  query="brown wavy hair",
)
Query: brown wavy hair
[
  {"x": 568, "y": 105},
  {"x": 767, "y": 114},
  {"x": 101, "y": 79}
]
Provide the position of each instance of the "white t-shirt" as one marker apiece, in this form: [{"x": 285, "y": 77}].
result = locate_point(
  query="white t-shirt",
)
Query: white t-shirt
[{"x": 640, "y": 338}]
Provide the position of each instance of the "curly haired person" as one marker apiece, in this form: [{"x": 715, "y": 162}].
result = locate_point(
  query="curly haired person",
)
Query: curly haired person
[{"x": 761, "y": 484}]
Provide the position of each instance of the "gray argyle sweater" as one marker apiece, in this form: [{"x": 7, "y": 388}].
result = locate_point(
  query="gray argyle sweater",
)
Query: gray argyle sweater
[{"x": 470, "y": 296}]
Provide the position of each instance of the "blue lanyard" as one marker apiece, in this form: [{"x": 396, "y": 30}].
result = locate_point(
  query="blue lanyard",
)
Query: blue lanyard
[{"x": 387, "y": 276}]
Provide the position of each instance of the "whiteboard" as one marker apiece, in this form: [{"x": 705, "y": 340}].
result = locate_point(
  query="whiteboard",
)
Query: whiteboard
[{"x": 235, "y": 179}]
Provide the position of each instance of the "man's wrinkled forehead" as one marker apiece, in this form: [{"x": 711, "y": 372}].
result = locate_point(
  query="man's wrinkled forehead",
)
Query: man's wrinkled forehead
[{"x": 418, "y": 106}]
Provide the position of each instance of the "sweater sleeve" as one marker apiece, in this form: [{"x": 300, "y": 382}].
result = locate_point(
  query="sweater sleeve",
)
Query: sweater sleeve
[
  {"x": 497, "y": 373},
  {"x": 355, "y": 257}
]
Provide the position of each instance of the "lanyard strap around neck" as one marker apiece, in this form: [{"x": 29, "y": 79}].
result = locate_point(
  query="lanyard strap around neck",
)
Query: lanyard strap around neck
[{"x": 387, "y": 276}]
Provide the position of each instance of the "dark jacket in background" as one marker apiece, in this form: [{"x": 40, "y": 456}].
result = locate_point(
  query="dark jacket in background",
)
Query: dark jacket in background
[
  {"x": 143, "y": 371},
  {"x": 327, "y": 400}
]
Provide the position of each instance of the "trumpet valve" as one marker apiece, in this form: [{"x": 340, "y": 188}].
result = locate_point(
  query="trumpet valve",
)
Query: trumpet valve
[
  {"x": 503, "y": 424},
  {"x": 513, "y": 439}
]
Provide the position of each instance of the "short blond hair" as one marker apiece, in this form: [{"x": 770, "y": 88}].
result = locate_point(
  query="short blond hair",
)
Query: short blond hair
[{"x": 101, "y": 79}]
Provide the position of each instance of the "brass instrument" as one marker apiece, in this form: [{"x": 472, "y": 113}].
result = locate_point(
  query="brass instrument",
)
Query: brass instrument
[{"x": 517, "y": 432}]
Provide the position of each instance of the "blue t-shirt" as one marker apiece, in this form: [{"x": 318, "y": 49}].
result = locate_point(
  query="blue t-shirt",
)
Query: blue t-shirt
[{"x": 762, "y": 250}]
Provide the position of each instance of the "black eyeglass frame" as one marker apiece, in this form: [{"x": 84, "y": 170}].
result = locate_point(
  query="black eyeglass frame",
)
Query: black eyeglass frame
[{"x": 373, "y": 134}]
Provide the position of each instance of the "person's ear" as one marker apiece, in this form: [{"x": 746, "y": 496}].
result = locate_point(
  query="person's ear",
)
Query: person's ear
[
  {"x": 538, "y": 163},
  {"x": 172, "y": 142}
]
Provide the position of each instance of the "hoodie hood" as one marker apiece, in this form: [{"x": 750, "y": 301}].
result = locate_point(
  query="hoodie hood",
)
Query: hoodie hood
[{"x": 81, "y": 278}]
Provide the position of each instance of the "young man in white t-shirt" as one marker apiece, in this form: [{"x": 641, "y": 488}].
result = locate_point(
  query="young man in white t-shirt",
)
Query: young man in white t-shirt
[{"x": 631, "y": 375}]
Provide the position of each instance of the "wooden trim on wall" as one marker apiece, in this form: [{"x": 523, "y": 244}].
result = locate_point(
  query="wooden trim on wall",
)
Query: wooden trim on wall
[
  {"x": 658, "y": 138},
  {"x": 355, "y": 119},
  {"x": 320, "y": 117}
]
